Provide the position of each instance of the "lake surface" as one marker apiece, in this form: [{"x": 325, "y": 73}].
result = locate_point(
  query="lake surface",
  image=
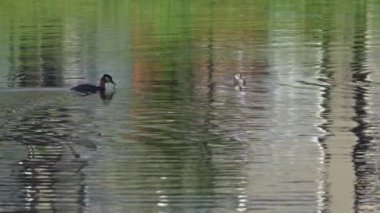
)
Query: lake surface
[{"x": 177, "y": 136}]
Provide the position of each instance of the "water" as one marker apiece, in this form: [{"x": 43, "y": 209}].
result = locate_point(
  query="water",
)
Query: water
[{"x": 178, "y": 136}]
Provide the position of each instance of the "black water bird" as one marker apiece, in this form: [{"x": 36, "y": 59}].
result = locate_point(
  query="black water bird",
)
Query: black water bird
[{"x": 106, "y": 85}]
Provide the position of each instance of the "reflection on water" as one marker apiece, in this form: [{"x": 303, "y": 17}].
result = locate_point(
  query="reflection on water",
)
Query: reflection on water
[{"x": 177, "y": 136}]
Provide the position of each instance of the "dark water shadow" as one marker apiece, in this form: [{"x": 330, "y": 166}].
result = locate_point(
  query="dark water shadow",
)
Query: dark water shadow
[{"x": 51, "y": 176}]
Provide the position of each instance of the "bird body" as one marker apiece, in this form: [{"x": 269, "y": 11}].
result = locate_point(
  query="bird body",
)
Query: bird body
[
  {"x": 87, "y": 88},
  {"x": 106, "y": 84}
]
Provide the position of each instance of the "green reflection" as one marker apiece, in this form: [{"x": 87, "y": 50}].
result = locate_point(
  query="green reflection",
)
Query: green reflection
[{"x": 44, "y": 42}]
